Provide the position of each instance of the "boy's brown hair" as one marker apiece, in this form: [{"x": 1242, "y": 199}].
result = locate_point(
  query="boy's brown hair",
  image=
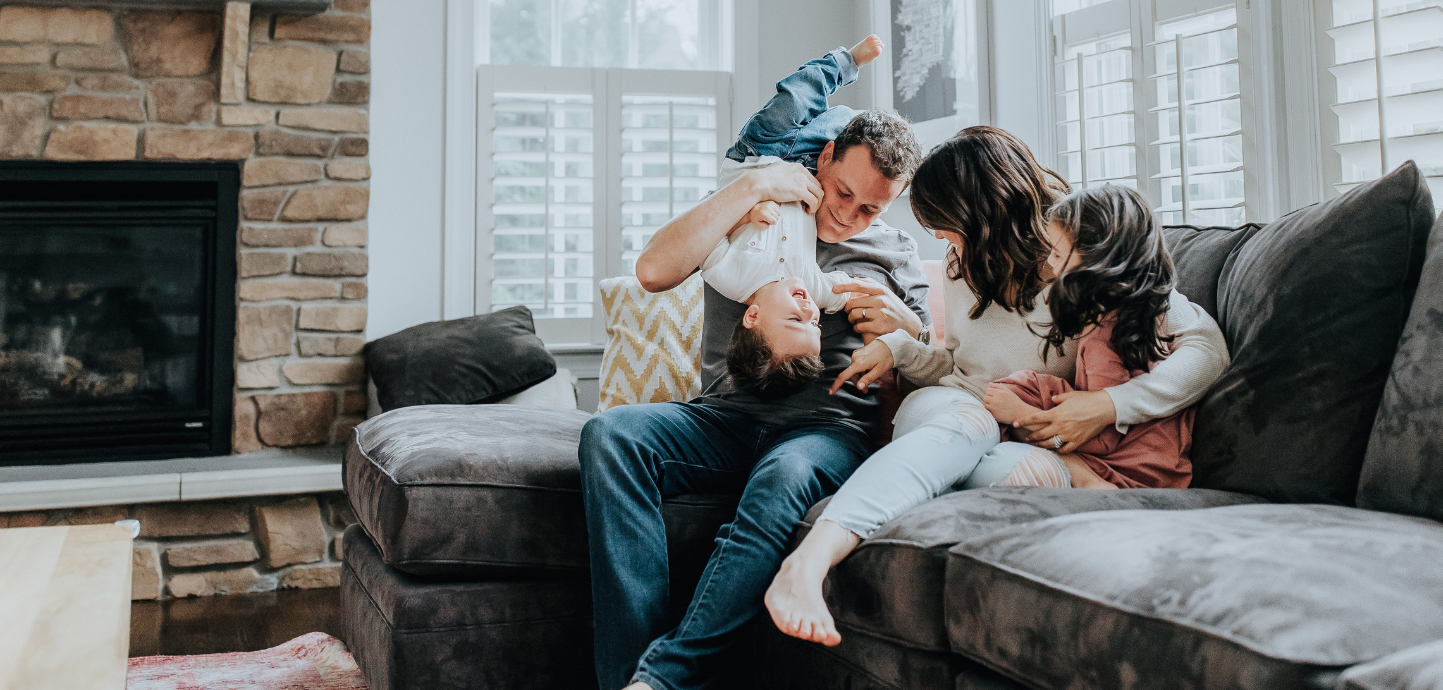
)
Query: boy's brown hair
[{"x": 755, "y": 369}]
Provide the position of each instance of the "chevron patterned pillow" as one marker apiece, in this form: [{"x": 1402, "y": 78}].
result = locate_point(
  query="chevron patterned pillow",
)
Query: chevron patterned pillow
[{"x": 653, "y": 343}]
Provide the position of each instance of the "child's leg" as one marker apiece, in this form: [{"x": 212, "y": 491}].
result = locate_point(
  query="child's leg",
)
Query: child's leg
[
  {"x": 1083, "y": 476},
  {"x": 941, "y": 434},
  {"x": 800, "y": 97}
]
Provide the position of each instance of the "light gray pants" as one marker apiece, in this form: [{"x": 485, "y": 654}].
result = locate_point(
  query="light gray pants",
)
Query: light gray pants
[{"x": 944, "y": 440}]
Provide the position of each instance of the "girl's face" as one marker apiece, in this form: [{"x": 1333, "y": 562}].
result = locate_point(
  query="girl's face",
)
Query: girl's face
[{"x": 1061, "y": 259}]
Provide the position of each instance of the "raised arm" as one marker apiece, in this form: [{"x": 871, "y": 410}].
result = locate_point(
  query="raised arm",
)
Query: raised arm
[
  {"x": 680, "y": 246},
  {"x": 1199, "y": 356}
]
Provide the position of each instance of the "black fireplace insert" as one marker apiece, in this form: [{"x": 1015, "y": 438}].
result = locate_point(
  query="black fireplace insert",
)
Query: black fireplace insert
[{"x": 117, "y": 310}]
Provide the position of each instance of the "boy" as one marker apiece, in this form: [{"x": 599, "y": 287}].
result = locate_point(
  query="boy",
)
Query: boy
[{"x": 768, "y": 261}]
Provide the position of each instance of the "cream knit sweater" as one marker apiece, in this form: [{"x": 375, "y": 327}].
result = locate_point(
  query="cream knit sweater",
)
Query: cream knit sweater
[{"x": 1000, "y": 344}]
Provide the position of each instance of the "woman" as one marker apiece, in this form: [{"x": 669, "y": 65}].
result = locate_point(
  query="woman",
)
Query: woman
[{"x": 983, "y": 192}]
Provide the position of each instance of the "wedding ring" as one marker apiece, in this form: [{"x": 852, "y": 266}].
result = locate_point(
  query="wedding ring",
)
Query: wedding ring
[
  {"x": 1057, "y": 442},
  {"x": 864, "y": 312}
]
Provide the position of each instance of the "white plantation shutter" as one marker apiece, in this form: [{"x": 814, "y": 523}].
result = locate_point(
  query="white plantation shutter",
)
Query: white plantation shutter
[
  {"x": 1120, "y": 84},
  {"x": 1199, "y": 148},
  {"x": 578, "y": 168},
  {"x": 1411, "y": 72}
]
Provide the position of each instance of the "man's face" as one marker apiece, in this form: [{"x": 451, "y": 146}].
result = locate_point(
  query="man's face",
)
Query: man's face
[{"x": 856, "y": 192}]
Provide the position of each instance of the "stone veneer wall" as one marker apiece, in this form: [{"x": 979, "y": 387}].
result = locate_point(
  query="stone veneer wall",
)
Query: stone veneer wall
[
  {"x": 205, "y": 548},
  {"x": 285, "y": 97}
]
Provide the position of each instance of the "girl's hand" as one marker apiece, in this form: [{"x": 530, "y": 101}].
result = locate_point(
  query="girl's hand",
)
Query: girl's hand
[
  {"x": 765, "y": 214},
  {"x": 870, "y": 362},
  {"x": 874, "y": 310},
  {"x": 1079, "y": 416}
]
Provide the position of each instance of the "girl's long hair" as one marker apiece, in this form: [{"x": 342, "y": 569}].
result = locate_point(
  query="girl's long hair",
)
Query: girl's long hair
[
  {"x": 1124, "y": 270},
  {"x": 984, "y": 185}
]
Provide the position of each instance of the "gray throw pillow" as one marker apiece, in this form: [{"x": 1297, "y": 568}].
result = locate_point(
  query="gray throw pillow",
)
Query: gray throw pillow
[
  {"x": 1403, "y": 471},
  {"x": 1199, "y": 253},
  {"x": 1312, "y": 306},
  {"x": 479, "y": 359}
]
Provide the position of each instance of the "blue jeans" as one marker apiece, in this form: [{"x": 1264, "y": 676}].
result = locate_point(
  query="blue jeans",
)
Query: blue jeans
[
  {"x": 634, "y": 456},
  {"x": 796, "y": 124}
]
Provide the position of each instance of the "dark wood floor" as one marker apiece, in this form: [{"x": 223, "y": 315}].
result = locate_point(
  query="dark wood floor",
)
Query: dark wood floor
[{"x": 240, "y": 623}]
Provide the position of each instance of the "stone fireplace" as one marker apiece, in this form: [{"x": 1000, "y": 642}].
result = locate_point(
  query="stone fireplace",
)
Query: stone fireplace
[
  {"x": 277, "y": 93},
  {"x": 280, "y": 95}
]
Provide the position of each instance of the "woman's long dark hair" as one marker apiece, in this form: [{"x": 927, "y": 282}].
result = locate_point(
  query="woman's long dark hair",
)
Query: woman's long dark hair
[
  {"x": 1124, "y": 271},
  {"x": 985, "y": 185}
]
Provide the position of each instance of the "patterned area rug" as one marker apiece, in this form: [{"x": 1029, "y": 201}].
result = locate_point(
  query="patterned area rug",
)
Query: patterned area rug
[{"x": 315, "y": 661}]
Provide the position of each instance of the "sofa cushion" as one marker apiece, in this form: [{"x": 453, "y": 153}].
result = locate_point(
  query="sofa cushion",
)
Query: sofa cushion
[
  {"x": 411, "y": 634},
  {"x": 479, "y": 359},
  {"x": 492, "y": 490},
  {"x": 1403, "y": 470},
  {"x": 1198, "y": 256},
  {"x": 891, "y": 586},
  {"x": 1241, "y": 597},
  {"x": 1312, "y": 306},
  {"x": 1415, "y": 668}
]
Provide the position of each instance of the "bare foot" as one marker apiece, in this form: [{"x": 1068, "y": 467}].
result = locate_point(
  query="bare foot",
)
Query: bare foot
[
  {"x": 868, "y": 50},
  {"x": 1004, "y": 405},
  {"x": 796, "y": 604}
]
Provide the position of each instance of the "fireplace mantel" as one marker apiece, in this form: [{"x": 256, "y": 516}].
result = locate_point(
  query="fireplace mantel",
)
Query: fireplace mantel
[{"x": 292, "y": 6}]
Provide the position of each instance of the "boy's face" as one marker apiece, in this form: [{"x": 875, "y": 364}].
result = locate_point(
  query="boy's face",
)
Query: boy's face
[
  {"x": 855, "y": 192},
  {"x": 784, "y": 313}
]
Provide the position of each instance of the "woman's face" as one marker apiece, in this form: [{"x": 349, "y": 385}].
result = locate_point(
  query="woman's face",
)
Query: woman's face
[
  {"x": 955, "y": 239},
  {"x": 1061, "y": 259}
]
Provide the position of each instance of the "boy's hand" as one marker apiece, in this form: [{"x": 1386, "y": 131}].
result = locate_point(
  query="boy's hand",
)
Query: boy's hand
[
  {"x": 765, "y": 214},
  {"x": 868, "y": 50}
]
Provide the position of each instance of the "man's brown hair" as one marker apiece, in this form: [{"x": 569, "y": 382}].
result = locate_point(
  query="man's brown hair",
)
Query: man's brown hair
[
  {"x": 755, "y": 369},
  {"x": 894, "y": 147}
]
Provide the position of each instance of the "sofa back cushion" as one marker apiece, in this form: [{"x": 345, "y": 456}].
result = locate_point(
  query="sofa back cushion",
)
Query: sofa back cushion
[
  {"x": 1312, "y": 306},
  {"x": 1403, "y": 470}
]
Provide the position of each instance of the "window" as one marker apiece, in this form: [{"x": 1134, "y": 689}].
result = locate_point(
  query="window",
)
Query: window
[
  {"x": 1411, "y": 104},
  {"x": 669, "y": 162},
  {"x": 578, "y": 168},
  {"x": 637, "y": 34},
  {"x": 1199, "y": 120},
  {"x": 596, "y": 122},
  {"x": 542, "y": 160},
  {"x": 1127, "y": 72}
]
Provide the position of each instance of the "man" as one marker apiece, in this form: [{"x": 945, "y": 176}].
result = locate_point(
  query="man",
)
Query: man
[{"x": 781, "y": 455}]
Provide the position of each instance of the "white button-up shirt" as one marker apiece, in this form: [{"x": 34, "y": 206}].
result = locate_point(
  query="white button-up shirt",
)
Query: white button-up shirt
[{"x": 753, "y": 256}]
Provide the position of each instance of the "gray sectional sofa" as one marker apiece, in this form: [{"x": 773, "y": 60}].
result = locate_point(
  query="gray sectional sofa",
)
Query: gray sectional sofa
[{"x": 1308, "y": 555}]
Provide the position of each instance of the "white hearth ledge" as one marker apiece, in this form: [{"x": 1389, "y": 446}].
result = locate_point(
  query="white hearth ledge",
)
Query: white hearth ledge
[{"x": 268, "y": 472}]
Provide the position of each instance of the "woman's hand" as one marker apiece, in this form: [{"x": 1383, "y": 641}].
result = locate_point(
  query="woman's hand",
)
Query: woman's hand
[
  {"x": 1079, "y": 416},
  {"x": 785, "y": 183},
  {"x": 874, "y": 310},
  {"x": 870, "y": 362}
]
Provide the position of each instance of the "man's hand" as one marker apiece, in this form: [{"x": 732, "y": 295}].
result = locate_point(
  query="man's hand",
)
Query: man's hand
[
  {"x": 874, "y": 310},
  {"x": 868, "y": 363},
  {"x": 1079, "y": 416},
  {"x": 785, "y": 183}
]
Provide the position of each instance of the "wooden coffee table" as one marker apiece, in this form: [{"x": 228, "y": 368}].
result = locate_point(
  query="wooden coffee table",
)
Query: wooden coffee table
[{"x": 64, "y": 607}]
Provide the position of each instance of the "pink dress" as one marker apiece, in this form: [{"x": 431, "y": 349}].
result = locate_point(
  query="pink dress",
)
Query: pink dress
[{"x": 1151, "y": 455}]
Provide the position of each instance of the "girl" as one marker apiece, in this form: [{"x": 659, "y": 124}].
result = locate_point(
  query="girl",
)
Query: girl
[
  {"x": 1114, "y": 278},
  {"x": 983, "y": 192}
]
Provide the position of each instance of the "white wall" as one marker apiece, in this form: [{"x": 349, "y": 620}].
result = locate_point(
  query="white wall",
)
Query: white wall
[{"x": 407, "y": 118}]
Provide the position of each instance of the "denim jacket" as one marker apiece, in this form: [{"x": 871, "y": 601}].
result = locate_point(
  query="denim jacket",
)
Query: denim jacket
[{"x": 796, "y": 124}]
